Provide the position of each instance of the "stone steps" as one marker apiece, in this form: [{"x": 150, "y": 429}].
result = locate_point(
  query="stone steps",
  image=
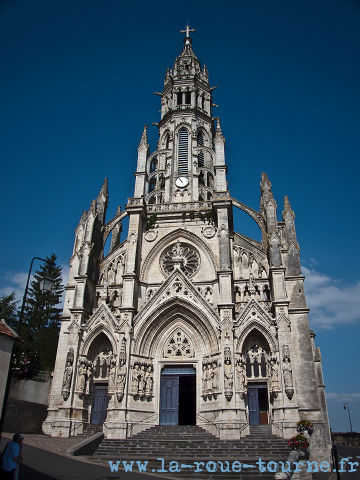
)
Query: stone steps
[{"x": 189, "y": 444}]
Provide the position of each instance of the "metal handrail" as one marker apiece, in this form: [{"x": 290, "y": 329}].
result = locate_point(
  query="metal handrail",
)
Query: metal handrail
[
  {"x": 130, "y": 425},
  {"x": 244, "y": 425},
  {"x": 209, "y": 421},
  {"x": 279, "y": 426}
]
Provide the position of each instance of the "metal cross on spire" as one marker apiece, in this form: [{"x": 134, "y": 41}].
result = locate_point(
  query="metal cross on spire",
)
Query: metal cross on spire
[{"x": 187, "y": 32}]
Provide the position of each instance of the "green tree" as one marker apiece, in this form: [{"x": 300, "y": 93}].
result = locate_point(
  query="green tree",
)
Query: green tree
[
  {"x": 8, "y": 310},
  {"x": 41, "y": 322}
]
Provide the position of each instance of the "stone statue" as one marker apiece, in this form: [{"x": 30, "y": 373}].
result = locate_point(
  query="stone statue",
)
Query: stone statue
[
  {"x": 287, "y": 373},
  {"x": 142, "y": 380},
  {"x": 215, "y": 377},
  {"x": 149, "y": 381},
  {"x": 204, "y": 380},
  {"x": 68, "y": 372},
  {"x": 112, "y": 376},
  {"x": 228, "y": 375},
  {"x": 274, "y": 374},
  {"x": 81, "y": 376},
  {"x": 89, "y": 370},
  {"x": 209, "y": 378},
  {"x": 121, "y": 377},
  {"x": 135, "y": 380},
  {"x": 241, "y": 379}
]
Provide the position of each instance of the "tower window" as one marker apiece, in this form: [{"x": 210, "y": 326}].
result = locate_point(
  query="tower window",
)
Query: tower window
[
  {"x": 179, "y": 98},
  {"x": 188, "y": 98},
  {"x": 152, "y": 184},
  {"x": 200, "y": 143},
  {"x": 183, "y": 151},
  {"x": 153, "y": 165},
  {"x": 167, "y": 141}
]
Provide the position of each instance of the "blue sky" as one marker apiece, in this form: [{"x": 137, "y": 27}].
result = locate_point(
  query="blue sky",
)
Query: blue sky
[{"x": 77, "y": 86}]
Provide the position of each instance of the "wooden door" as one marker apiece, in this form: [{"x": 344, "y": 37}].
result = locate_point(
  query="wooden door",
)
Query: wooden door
[
  {"x": 253, "y": 400},
  {"x": 169, "y": 400},
  {"x": 100, "y": 405}
]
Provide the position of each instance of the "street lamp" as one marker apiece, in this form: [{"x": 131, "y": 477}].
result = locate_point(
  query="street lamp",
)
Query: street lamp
[
  {"x": 349, "y": 417},
  {"x": 45, "y": 283}
]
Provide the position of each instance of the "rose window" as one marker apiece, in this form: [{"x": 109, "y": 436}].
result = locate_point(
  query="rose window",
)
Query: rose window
[{"x": 180, "y": 255}]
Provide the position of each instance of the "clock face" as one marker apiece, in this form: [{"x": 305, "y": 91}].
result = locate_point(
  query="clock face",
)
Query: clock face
[{"x": 182, "y": 182}]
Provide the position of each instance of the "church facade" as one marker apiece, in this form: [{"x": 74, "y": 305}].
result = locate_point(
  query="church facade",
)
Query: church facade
[{"x": 186, "y": 321}]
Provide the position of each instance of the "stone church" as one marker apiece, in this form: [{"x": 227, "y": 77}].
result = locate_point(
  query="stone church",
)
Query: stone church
[{"x": 186, "y": 322}]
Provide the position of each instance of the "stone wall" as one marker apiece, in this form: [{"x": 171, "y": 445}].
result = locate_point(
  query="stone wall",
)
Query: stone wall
[{"x": 24, "y": 417}]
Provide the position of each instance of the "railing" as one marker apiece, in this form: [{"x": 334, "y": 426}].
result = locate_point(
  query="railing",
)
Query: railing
[
  {"x": 74, "y": 425},
  {"x": 198, "y": 416},
  {"x": 279, "y": 426},
  {"x": 184, "y": 206},
  {"x": 244, "y": 425},
  {"x": 220, "y": 426},
  {"x": 130, "y": 425}
]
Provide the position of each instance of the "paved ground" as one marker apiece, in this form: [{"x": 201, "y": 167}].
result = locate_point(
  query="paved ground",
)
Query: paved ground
[
  {"x": 45, "y": 459},
  {"x": 50, "y": 444}
]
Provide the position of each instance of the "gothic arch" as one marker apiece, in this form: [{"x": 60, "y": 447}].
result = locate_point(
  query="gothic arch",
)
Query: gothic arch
[
  {"x": 202, "y": 246},
  {"x": 151, "y": 332},
  {"x": 99, "y": 329},
  {"x": 257, "y": 326}
]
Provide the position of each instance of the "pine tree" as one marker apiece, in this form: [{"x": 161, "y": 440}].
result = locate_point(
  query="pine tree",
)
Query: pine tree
[
  {"x": 41, "y": 322},
  {"x": 8, "y": 310}
]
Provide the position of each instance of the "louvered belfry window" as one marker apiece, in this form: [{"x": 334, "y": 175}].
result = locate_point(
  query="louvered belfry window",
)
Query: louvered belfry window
[
  {"x": 200, "y": 143},
  {"x": 183, "y": 151}
]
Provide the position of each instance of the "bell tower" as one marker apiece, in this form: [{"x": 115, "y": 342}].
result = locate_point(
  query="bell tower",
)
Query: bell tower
[{"x": 183, "y": 168}]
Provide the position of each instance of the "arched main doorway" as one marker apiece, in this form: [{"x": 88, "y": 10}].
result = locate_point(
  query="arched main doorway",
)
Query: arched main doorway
[
  {"x": 178, "y": 395},
  {"x": 257, "y": 353}
]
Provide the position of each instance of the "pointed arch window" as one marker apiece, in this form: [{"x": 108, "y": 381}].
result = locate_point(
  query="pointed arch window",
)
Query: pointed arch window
[
  {"x": 183, "y": 152},
  {"x": 200, "y": 143}
]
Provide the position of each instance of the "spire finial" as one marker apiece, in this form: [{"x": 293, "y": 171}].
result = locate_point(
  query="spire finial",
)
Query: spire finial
[
  {"x": 144, "y": 138},
  {"x": 219, "y": 133},
  {"x": 187, "y": 39}
]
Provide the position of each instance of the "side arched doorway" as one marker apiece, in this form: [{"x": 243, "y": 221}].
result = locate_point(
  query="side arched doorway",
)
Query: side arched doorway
[{"x": 178, "y": 395}]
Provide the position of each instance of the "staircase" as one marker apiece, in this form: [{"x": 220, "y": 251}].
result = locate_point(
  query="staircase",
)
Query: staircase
[
  {"x": 189, "y": 444},
  {"x": 90, "y": 430}
]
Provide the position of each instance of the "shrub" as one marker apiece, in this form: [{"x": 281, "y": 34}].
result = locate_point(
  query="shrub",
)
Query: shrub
[
  {"x": 305, "y": 426},
  {"x": 299, "y": 442}
]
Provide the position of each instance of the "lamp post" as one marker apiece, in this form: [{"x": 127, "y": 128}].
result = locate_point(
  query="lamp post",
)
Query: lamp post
[
  {"x": 45, "y": 285},
  {"x": 349, "y": 418}
]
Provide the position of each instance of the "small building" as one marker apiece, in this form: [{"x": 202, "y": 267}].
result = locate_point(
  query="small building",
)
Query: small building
[{"x": 7, "y": 337}]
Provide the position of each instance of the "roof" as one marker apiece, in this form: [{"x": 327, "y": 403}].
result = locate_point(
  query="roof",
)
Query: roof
[{"x": 6, "y": 330}]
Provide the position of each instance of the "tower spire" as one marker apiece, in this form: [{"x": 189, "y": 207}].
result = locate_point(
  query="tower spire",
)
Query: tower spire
[{"x": 144, "y": 138}]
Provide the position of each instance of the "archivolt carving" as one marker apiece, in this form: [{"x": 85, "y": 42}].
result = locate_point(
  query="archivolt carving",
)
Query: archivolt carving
[{"x": 155, "y": 330}]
